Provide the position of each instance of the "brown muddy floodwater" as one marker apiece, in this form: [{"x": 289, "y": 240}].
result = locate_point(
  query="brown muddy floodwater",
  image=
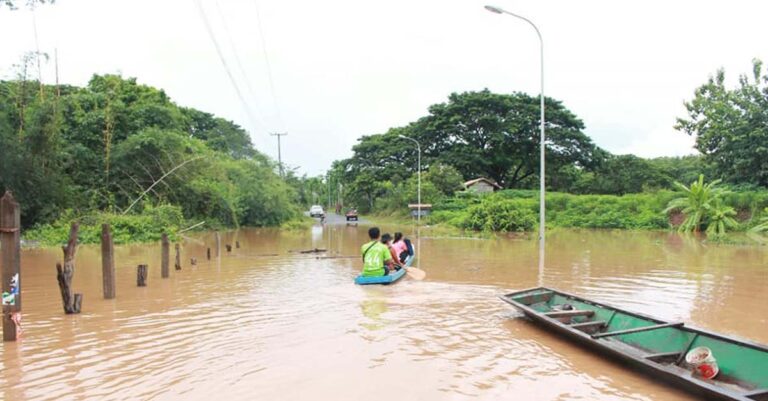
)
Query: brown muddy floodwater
[{"x": 294, "y": 327}]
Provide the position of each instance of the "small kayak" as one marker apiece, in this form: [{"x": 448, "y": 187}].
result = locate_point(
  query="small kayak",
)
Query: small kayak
[{"x": 388, "y": 279}]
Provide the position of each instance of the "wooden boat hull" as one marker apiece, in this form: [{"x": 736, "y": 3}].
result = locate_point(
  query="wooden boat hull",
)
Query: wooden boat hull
[{"x": 651, "y": 345}]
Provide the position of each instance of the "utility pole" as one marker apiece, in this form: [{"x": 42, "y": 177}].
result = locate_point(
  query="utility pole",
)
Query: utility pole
[{"x": 279, "y": 156}]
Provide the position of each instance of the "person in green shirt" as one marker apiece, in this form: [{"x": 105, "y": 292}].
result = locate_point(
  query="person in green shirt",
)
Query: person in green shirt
[{"x": 377, "y": 260}]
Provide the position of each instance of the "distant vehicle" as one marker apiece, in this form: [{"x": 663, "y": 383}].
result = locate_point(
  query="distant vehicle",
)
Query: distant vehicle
[
  {"x": 351, "y": 214},
  {"x": 316, "y": 211}
]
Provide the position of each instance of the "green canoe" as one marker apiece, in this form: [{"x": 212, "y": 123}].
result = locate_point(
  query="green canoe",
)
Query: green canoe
[{"x": 651, "y": 345}]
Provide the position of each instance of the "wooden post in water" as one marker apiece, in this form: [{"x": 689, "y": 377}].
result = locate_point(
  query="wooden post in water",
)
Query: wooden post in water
[
  {"x": 64, "y": 273},
  {"x": 229, "y": 247},
  {"x": 178, "y": 258},
  {"x": 208, "y": 253},
  {"x": 10, "y": 241},
  {"x": 165, "y": 256},
  {"x": 218, "y": 244},
  {"x": 107, "y": 262},
  {"x": 141, "y": 275}
]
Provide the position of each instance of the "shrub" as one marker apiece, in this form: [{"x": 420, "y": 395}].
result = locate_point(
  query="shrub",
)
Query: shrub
[
  {"x": 503, "y": 215},
  {"x": 147, "y": 226}
]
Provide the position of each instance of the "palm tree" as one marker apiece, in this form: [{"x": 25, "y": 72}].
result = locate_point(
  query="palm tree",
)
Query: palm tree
[
  {"x": 700, "y": 202},
  {"x": 763, "y": 226},
  {"x": 720, "y": 218}
]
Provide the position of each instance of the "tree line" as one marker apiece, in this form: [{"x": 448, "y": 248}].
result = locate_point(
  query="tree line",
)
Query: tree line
[
  {"x": 121, "y": 147},
  {"x": 484, "y": 134}
]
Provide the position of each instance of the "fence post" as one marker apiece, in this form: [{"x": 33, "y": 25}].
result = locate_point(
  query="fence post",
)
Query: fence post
[
  {"x": 64, "y": 274},
  {"x": 208, "y": 253},
  {"x": 218, "y": 244},
  {"x": 141, "y": 275},
  {"x": 165, "y": 258},
  {"x": 107, "y": 262},
  {"x": 178, "y": 258},
  {"x": 10, "y": 240}
]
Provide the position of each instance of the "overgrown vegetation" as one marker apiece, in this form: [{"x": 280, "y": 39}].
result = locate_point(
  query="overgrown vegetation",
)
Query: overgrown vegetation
[
  {"x": 483, "y": 134},
  {"x": 117, "y": 151},
  {"x": 145, "y": 227},
  {"x": 517, "y": 210},
  {"x": 702, "y": 203}
]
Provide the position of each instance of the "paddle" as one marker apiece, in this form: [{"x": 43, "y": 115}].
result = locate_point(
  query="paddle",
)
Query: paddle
[{"x": 415, "y": 273}]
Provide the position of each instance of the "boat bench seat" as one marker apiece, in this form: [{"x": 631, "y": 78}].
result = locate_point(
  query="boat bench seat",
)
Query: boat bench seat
[
  {"x": 569, "y": 313},
  {"x": 590, "y": 326}
]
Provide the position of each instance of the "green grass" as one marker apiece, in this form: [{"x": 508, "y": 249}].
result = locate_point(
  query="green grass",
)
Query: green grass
[
  {"x": 148, "y": 226},
  {"x": 298, "y": 223},
  {"x": 517, "y": 210}
]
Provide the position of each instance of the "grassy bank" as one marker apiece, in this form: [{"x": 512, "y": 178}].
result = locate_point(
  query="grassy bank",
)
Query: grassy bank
[
  {"x": 145, "y": 226},
  {"x": 517, "y": 210}
]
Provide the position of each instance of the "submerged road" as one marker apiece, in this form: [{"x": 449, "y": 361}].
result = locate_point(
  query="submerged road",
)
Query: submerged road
[{"x": 333, "y": 219}]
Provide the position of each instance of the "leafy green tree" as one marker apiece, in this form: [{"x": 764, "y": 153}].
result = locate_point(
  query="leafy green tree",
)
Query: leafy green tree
[
  {"x": 218, "y": 133},
  {"x": 446, "y": 179},
  {"x": 683, "y": 168},
  {"x": 619, "y": 175},
  {"x": 699, "y": 205},
  {"x": 475, "y": 134},
  {"x": 763, "y": 225},
  {"x": 105, "y": 146},
  {"x": 483, "y": 134},
  {"x": 731, "y": 126}
]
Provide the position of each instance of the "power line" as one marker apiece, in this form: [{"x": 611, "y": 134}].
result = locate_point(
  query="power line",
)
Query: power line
[
  {"x": 208, "y": 28},
  {"x": 37, "y": 53},
  {"x": 268, "y": 64},
  {"x": 235, "y": 52}
]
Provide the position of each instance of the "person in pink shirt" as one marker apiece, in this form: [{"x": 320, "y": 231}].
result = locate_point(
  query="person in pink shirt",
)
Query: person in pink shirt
[
  {"x": 386, "y": 239},
  {"x": 400, "y": 248}
]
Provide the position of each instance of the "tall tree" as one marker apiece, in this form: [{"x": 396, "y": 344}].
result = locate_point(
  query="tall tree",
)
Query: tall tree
[
  {"x": 731, "y": 126},
  {"x": 497, "y": 136},
  {"x": 481, "y": 134}
]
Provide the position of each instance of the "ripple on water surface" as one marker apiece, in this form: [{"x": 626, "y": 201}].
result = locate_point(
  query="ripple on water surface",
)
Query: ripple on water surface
[{"x": 293, "y": 327}]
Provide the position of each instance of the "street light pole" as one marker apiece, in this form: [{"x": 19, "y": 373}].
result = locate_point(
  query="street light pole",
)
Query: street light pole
[
  {"x": 542, "y": 146},
  {"x": 329, "y": 189},
  {"x": 418, "y": 147}
]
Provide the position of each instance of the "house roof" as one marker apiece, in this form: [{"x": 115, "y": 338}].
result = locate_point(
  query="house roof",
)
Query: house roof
[{"x": 486, "y": 180}]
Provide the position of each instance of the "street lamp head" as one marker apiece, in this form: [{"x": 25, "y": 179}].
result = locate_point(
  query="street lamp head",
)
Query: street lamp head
[
  {"x": 402, "y": 136},
  {"x": 494, "y": 9}
]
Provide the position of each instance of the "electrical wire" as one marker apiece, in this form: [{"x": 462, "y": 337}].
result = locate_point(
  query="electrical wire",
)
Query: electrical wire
[
  {"x": 212, "y": 36},
  {"x": 235, "y": 52},
  {"x": 269, "y": 66},
  {"x": 37, "y": 53}
]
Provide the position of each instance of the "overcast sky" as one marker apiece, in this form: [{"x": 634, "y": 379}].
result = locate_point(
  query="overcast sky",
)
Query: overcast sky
[{"x": 344, "y": 68}]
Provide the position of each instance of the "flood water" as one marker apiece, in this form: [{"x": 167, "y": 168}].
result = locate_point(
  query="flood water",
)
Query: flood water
[{"x": 265, "y": 323}]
